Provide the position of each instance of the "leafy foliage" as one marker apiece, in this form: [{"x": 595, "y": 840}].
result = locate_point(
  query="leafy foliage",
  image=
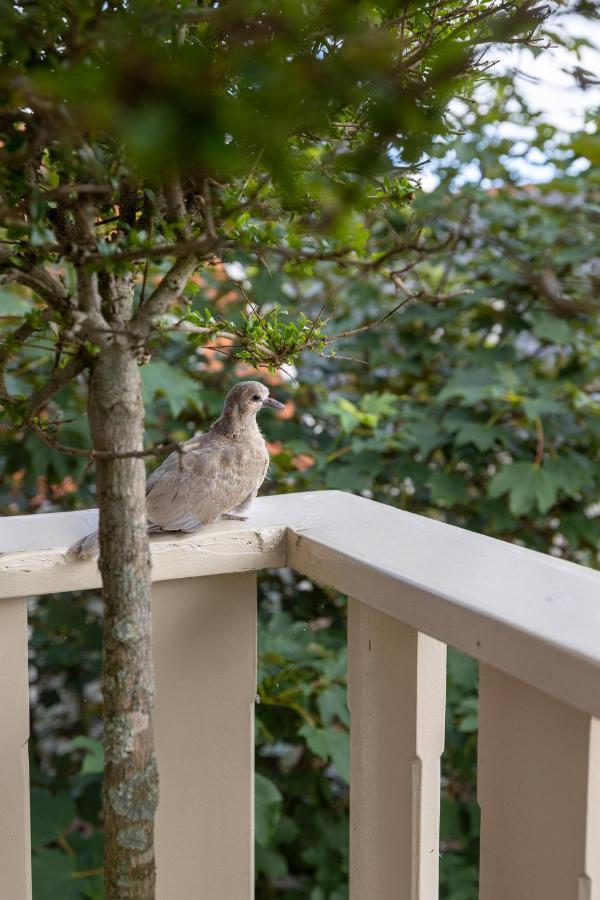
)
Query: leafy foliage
[
  {"x": 127, "y": 72},
  {"x": 295, "y": 147},
  {"x": 481, "y": 410}
]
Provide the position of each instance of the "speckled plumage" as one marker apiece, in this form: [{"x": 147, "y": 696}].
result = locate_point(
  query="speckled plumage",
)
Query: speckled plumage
[{"x": 219, "y": 475}]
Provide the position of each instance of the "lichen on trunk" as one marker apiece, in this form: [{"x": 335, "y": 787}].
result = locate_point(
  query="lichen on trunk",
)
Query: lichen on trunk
[{"x": 130, "y": 792}]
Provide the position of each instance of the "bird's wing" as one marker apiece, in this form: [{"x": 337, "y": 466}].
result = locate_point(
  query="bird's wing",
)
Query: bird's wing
[
  {"x": 173, "y": 462},
  {"x": 207, "y": 482}
]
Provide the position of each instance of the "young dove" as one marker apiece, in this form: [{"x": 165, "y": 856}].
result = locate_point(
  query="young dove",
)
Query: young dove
[{"x": 219, "y": 475}]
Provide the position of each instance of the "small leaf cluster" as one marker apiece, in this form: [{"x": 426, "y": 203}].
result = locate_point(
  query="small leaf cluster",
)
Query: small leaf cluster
[{"x": 262, "y": 338}]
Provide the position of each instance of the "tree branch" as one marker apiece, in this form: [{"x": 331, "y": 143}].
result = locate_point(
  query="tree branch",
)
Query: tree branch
[
  {"x": 60, "y": 378},
  {"x": 90, "y": 318},
  {"x": 170, "y": 288},
  {"x": 37, "y": 278},
  {"x": 158, "y": 450},
  {"x": 199, "y": 247},
  {"x": 176, "y": 208},
  {"x": 15, "y": 340}
]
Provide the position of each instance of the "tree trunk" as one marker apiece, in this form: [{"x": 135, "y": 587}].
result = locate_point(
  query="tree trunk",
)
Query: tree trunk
[{"x": 130, "y": 793}]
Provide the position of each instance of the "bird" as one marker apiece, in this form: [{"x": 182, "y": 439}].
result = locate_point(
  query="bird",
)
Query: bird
[{"x": 217, "y": 476}]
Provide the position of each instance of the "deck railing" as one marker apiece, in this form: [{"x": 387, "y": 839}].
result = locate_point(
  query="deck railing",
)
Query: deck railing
[{"x": 414, "y": 586}]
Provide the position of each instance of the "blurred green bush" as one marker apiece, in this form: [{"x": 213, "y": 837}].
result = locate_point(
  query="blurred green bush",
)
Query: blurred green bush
[{"x": 482, "y": 411}]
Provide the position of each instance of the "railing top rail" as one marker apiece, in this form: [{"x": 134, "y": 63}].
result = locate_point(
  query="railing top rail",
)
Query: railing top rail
[{"x": 531, "y": 615}]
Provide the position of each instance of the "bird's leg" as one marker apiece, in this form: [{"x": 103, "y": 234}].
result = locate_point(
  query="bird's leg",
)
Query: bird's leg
[{"x": 237, "y": 512}]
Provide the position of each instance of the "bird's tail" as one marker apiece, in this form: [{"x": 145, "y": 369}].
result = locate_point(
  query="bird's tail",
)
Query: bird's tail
[
  {"x": 85, "y": 548},
  {"x": 89, "y": 546}
]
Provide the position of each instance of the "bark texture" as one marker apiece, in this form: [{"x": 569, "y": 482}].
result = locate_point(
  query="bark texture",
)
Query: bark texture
[{"x": 130, "y": 793}]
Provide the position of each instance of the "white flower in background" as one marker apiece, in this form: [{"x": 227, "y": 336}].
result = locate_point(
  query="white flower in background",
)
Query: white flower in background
[{"x": 235, "y": 271}]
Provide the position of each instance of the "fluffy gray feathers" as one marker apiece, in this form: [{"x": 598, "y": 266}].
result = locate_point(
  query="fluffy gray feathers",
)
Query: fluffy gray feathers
[
  {"x": 207, "y": 482},
  {"x": 218, "y": 475}
]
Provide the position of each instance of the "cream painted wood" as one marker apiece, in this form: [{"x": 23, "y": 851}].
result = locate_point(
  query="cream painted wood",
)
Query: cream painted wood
[
  {"x": 33, "y": 560},
  {"x": 539, "y": 792},
  {"x": 15, "y": 842},
  {"x": 396, "y": 690},
  {"x": 205, "y": 658},
  {"x": 528, "y": 614}
]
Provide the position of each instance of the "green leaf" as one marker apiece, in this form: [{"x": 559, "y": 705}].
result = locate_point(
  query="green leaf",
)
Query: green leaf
[
  {"x": 588, "y": 145},
  {"x": 546, "y": 488},
  {"x": 329, "y": 743},
  {"x": 468, "y": 715},
  {"x": 528, "y": 486},
  {"x": 551, "y": 328},
  {"x": 158, "y": 377},
  {"x": 580, "y": 530},
  {"x": 481, "y": 436},
  {"x": 517, "y": 481},
  {"x": 426, "y": 436},
  {"x": 535, "y": 407},
  {"x": 268, "y": 804},
  {"x": 270, "y": 862},
  {"x": 346, "y": 411},
  {"x": 479, "y": 383},
  {"x": 93, "y": 761},
  {"x": 352, "y": 232},
  {"x": 89, "y": 859},
  {"x": 51, "y": 816},
  {"x": 52, "y": 876},
  {"x": 333, "y": 705},
  {"x": 462, "y": 670},
  {"x": 382, "y": 405},
  {"x": 451, "y": 824},
  {"x": 12, "y": 304},
  {"x": 448, "y": 488},
  {"x": 571, "y": 472}
]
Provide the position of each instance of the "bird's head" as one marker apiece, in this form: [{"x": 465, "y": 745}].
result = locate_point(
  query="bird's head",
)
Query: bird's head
[{"x": 247, "y": 398}]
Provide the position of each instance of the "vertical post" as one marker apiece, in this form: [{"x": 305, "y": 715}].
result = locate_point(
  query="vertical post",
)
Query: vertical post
[
  {"x": 539, "y": 792},
  {"x": 205, "y": 658},
  {"x": 15, "y": 838},
  {"x": 396, "y": 690}
]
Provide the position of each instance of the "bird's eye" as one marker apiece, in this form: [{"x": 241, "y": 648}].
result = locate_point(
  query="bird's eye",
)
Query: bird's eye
[{"x": 256, "y": 397}]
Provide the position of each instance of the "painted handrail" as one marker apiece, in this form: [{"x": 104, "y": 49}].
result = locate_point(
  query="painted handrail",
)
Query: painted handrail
[{"x": 416, "y": 585}]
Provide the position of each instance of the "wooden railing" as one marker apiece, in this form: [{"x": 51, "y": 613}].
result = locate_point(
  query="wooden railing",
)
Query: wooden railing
[{"x": 416, "y": 585}]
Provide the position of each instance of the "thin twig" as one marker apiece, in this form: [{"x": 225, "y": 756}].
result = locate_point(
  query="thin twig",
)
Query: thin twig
[
  {"x": 250, "y": 173},
  {"x": 539, "y": 450},
  {"x": 170, "y": 288},
  {"x": 59, "y": 379},
  {"x": 18, "y": 337},
  {"x": 158, "y": 450},
  {"x": 374, "y": 324},
  {"x": 208, "y": 210}
]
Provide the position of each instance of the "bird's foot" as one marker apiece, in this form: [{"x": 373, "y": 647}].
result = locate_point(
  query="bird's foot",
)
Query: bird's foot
[{"x": 235, "y": 517}]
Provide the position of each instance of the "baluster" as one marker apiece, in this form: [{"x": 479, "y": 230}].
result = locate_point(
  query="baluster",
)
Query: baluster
[
  {"x": 205, "y": 657},
  {"x": 15, "y": 839},
  {"x": 396, "y": 684},
  {"x": 539, "y": 792}
]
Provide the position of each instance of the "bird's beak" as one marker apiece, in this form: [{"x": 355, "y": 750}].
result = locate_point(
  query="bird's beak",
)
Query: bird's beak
[{"x": 274, "y": 404}]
